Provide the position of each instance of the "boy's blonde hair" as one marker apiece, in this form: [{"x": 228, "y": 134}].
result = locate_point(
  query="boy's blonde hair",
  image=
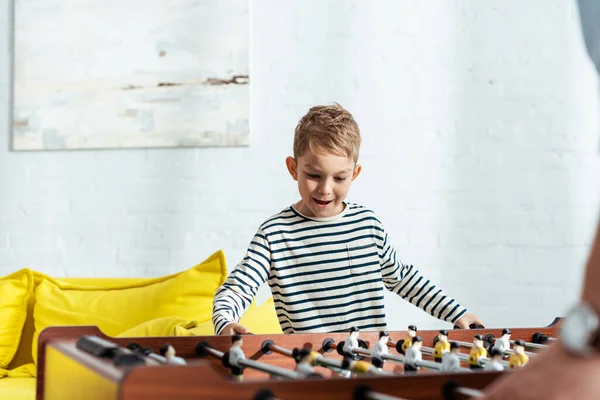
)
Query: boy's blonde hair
[{"x": 329, "y": 129}]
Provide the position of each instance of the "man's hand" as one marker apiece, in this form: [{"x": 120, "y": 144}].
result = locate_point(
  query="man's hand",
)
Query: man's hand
[
  {"x": 232, "y": 328},
  {"x": 468, "y": 319},
  {"x": 552, "y": 374}
]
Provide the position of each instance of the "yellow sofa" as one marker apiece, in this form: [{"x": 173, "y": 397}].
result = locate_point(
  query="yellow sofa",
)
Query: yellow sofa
[{"x": 174, "y": 305}]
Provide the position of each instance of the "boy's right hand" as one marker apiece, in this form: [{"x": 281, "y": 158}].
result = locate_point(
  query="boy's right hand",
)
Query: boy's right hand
[{"x": 232, "y": 328}]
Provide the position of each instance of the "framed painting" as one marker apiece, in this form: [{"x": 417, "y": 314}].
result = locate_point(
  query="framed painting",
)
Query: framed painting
[{"x": 93, "y": 74}]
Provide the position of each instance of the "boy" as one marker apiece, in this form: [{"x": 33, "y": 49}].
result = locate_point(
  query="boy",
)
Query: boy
[{"x": 327, "y": 261}]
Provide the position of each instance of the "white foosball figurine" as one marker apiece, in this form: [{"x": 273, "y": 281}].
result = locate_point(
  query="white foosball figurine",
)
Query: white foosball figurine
[
  {"x": 351, "y": 342},
  {"x": 451, "y": 359},
  {"x": 503, "y": 342},
  {"x": 494, "y": 364},
  {"x": 235, "y": 355},
  {"x": 380, "y": 348},
  {"x": 168, "y": 352},
  {"x": 413, "y": 354}
]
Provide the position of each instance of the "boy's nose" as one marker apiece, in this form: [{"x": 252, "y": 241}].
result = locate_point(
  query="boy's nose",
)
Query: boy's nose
[{"x": 324, "y": 188}]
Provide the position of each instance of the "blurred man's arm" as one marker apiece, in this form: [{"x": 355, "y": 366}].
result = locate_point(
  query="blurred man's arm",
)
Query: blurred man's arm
[{"x": 591, "y": 282}]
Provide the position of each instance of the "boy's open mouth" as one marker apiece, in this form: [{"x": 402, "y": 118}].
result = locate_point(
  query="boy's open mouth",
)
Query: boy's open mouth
[{"x": 321, "y": 202}]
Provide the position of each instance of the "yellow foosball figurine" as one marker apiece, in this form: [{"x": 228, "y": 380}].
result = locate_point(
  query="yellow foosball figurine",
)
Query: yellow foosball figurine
[
  {"x": 477, "y": 352},
  {"x": 441, "y": 346},
  {"x": 518, "y": 359},
  {"x": 406, "y": 343}
]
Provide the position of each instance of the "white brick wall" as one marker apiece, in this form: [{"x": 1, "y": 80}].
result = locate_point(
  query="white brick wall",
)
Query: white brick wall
[{"x": 480, "y": 153}]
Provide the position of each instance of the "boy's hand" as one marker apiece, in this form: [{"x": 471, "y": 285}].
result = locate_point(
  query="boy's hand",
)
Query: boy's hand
[
  {"x": 468, "y": 319},
  {"x": 232, "y": 328}
]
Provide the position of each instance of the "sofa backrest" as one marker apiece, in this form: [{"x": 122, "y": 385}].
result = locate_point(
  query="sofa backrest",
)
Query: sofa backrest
[
  {"x": 93, "y": 301},
  {"x": 23, "y": 354}
]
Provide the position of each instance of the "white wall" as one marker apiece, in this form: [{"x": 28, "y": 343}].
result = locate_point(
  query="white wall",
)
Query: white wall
[{"x": 481, "y": 154}]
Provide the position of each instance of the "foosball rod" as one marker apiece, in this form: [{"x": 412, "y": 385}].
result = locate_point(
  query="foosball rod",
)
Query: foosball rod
[
  {"x": 509, "y": 351},
  {"x": 204, "y": 348},
  {"x": 527, "y": 344},
  {"x": 330, "y": 345},
  {"x": 268, "y": 346},
  {"x": 465, "y": 358},
  {"x": 398, "y": 359},
  {"x": 426, "y": 350}
]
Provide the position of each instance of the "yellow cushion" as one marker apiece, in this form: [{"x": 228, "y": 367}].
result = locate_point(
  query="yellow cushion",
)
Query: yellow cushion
[
  {"x": 17, "y": 388},
  {"x": 262, "y": 319},
  {"x": 203, "y": 329},
  {"x": 168, "y": 326},
  {"x": 258, "y": 320},
  {"x": 14, "y": 295},
  {"x": 23, "y": 354},
  {"x": 188, "y": 295}
]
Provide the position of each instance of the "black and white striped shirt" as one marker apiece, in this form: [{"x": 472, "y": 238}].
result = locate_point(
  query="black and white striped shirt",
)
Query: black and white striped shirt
[{"x": 327, "y": 274}]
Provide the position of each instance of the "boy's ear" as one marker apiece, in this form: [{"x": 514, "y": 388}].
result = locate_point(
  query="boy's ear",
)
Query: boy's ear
[
  {"x": 292, "y": 167},
  {"x": 356, "y": 172}
]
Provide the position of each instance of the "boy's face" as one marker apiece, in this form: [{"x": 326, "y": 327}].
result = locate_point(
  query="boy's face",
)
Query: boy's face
[{"x": 323, "y": 182}]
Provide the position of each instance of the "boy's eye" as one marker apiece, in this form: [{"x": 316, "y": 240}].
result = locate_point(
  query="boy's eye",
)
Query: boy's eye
[
  {"x": 340, "y": 179},
  {"x": 313, "y": 176}
]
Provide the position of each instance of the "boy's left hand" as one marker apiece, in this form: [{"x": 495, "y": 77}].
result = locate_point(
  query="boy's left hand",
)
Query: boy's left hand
[{"x": 468, "y": 319}]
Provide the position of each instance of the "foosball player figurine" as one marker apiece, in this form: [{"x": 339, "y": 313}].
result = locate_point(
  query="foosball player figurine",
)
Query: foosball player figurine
[
  {"x": 168, "y": 352},
  {"x": 406, "y": 343},
  {"x": 494, "y": 363},
  {"x": 441, "y": 346},
  {"x": 413, "y": 354},
  {"x": 379, "y": 349},
  {"x": 303, "y": 364},
  {"x": 503, "y": 342},
  {"x": 235, "y": 354},
  {"x": 477, "y": 352},
  {"x": 451, "y": 359},
  {"x": 518, "y": 359},
  {"x": 351, "y": 342}
]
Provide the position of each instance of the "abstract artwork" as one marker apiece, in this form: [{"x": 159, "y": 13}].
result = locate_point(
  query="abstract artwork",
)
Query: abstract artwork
[{"x": 93, "y": 74}]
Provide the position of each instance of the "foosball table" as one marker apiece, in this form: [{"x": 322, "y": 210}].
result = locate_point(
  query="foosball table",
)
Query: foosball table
[{"x": 80, "y": 362}]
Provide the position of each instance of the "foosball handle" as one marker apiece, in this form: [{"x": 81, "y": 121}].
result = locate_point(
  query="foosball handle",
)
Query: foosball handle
[
  {"x": 134, "y": 346},
  {"x": 488, "y": 339},
  {"x": 128, "y": 359},
  {"x": 449, "y": 390},
  {"x": 360, "y": 392},
  {"x": 97, "y": 346},
  {"x": 399, "y": 344},
  {"x": 264, "y": 394},
  {"x": 265, "y": 347},
  {"x": 201, "y": 349},
  {"x": 539, "y": 338},
  {"x": 327, "y": 345}
]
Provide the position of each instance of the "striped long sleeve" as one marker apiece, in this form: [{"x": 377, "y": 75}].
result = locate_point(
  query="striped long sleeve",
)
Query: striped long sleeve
[
  {"x": 408, "y": 283},
  {"x": 237, "y": 293}
]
